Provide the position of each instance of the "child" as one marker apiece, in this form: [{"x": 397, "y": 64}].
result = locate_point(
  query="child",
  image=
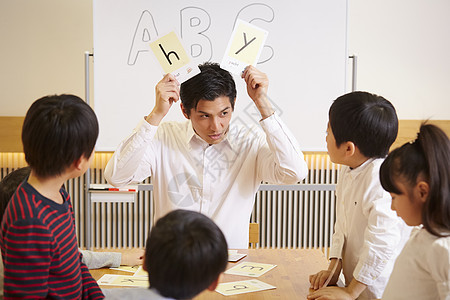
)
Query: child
[
  {"x": 93, "y": 260},
  {"x": 418, "y": 177},
  {"x": 185, "y": 254},
  {"x": 37, "y": 236},
  {"x": 368, "y": 235}
]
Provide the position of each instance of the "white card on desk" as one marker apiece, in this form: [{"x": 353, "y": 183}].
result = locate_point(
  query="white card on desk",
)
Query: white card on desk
[
  {"x": 244, "y": 286},
  {"x": 141, "y": 272},
  {"x": 123, "y": 280},
  {"x": 234, "y": 256},
  {"x": 131, "y": 269},
  {"x": 250, "y": 269},
  {"x": 244, "y": 47}
]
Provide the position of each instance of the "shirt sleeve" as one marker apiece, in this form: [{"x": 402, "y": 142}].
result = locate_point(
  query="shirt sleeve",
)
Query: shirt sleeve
[
  {"x": 131, "y": 162},
  {"x": 438, "y": 262},
  {"x": 338, "y": 238},
  {"x": 27, "y": 257},
  {"x": 91, "y": 290},
  {"x": 282, "y": 161},
  {"x": 382, "y": 237},
  {"x": 96, "y": 260}
]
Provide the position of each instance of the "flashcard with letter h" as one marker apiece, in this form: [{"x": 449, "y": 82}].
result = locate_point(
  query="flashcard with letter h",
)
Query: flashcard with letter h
[{"x": 172, "y": 57}]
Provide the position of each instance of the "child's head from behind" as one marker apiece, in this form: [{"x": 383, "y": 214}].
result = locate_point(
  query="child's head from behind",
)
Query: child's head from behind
[
  {"x": 57, "y": 131},
  {"x": 367, "y": 120},
  {"x": 417, "y": 175},
  {"x": 185, "y": 254},
  {"x": 9, "y": 185}
]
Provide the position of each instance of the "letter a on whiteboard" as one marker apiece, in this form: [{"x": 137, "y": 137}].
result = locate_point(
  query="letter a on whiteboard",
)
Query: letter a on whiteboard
[
  {"x": 244, "y": 47},
  {"x": 172, "y": 57}
]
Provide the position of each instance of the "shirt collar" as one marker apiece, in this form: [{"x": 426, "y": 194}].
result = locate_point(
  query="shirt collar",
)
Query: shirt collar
[
  {"x": 192, "y": 137},
  {"x": 358, "y": 170}
]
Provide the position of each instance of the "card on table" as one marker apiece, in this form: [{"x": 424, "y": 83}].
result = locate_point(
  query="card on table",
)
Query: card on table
[
  {"x": 173, "y": 58},
  {"x": 244, "y": 47},
  {"x": 123, "y": 280},
  {"x": 131, "y": 269},
  {"x": 141, "y": 272},
  {"x": 234, "y": 256},
  {"x": 240, "y": 287},
  {"x": 250, "y": 269}
]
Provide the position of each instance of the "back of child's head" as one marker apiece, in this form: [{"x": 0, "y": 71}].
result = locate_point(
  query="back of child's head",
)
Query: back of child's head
[
  {"x": 9, "y": 185},
  {"x": 57, "y": 131},
  {"x": 185, "y": 253},
  {"x": 427, "y": 158},
  {"x": 367, "y": 120}
]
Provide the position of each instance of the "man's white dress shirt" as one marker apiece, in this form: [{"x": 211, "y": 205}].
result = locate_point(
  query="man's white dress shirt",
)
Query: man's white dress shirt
[
  {"x": 422, "y": 270},
  {"x": 219, "y": 180},
  {"x": 368, "y": 234}
]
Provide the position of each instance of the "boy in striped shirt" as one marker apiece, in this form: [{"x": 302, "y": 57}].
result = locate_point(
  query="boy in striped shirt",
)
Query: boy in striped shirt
[{"x": 37, "y": 237}]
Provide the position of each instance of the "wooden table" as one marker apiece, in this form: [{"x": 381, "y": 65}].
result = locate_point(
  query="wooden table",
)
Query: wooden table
[{"x": 291, "y": 276}]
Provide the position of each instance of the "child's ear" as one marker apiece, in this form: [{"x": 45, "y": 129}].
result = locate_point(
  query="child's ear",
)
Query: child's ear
[
  {"x": 78, "y": 164},
  {"x": 184, "y": 111},
  {"x": 422, "y": 189},
  {"x": 349, "y": 147},
  {"x": 215, "y": 283}
]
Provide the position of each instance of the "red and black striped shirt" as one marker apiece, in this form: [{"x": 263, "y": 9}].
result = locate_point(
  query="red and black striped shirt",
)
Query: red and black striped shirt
[{"x": 40, "y": 250}]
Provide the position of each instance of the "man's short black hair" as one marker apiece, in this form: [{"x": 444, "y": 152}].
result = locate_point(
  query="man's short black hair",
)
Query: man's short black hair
[
  {"x": 57, "y": 131},
  {"x": 185, "y": 253},
  {"x": 367, "y": 120},
  {"x": 9, "y": 185},
  {"x": 212, "y": 82}
]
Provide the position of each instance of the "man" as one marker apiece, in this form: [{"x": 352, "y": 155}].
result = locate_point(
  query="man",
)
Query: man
[{"x": 207, "y": 164}]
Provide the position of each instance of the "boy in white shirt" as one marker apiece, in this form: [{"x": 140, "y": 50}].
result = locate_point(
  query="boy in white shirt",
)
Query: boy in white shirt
[{"x": 368, "y": 235}]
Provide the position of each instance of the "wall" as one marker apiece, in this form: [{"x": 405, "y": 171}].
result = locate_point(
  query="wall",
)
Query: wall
[
  {"x": 402, "y": 48},
  {"x": 42, "y": 47}
]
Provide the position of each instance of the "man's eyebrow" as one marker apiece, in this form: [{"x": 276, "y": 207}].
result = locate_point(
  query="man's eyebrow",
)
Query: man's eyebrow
[{"x": 206, "y": 113}]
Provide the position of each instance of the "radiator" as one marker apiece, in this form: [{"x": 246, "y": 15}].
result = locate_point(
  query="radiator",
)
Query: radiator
[{"x": 296, "y": 216}]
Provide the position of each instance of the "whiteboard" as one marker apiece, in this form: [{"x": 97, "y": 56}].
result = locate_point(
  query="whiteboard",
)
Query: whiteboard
[{"x": 305, "y": 57}]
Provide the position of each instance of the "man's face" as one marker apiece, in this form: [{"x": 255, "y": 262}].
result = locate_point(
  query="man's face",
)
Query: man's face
[{"x": 211, "y": 119}]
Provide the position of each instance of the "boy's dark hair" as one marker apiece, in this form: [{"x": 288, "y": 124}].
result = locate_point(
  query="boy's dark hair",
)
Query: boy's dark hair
[
  {"x": 367, "y": 120},
  {"x": 427, "y": 156},
  {"x": 57, "y": 131},
  {"x": 9, "y": 185},
  {"x": 210, "y": 83},
  {"x": 185, "y": 253}
]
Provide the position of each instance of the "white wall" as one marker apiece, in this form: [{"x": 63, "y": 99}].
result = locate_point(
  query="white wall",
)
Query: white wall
[
  {"x": 402, "y": 46},
  {"x": 403, "y": 49}
]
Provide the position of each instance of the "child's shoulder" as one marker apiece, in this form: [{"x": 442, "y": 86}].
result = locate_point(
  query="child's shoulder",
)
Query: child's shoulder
[
  {"x": 432, "y": 246},
  {"x": 423, "y": 236},
  {"x": 368, "y": 171},
  {"x": 28, "y": 203}
]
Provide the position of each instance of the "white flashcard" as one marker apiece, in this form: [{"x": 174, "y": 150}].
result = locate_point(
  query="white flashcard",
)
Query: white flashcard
[
  {"x": 250, "y": 269},
  {"x": 244, "y": 47},
  {"x": 241, "y": 287},
  {"x": 234, "y": 256},
  {"x": 141, "y": 272},
  {"x": 173, "y": 58},
  {"x": 131, "y": 269},
  {"x": 123, "y": 280}
]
